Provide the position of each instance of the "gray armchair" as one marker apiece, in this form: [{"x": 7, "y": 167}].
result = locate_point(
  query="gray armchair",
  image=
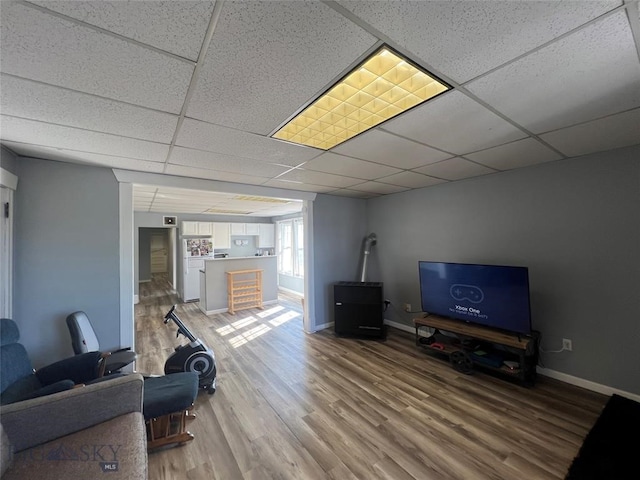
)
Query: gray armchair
[
  {"x": 79, "y": 433},
  {"x": 19, "y": 381}
]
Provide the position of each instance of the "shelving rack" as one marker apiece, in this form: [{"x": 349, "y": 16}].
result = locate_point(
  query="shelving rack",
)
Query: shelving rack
[{"x": 244, "y": 289}]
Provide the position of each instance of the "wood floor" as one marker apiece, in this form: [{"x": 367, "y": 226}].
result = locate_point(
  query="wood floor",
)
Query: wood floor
[{"x": 290, "y": 405}]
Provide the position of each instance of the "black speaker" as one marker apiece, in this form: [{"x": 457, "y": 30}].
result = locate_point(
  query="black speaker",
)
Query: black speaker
[{"x": 358, "y": 309}]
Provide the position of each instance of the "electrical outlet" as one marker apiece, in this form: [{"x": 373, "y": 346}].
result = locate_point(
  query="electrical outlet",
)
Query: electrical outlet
[
  {"x": 567, "y": 345},
  {"x": 407, "y": 307}
]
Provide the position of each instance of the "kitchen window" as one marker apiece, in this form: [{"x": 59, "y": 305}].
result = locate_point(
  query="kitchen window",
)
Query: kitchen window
[{"x": 291, "y": 247}]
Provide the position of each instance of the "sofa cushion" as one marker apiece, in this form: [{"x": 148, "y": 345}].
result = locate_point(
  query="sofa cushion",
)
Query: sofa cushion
[{"x": 117, "y": 447}]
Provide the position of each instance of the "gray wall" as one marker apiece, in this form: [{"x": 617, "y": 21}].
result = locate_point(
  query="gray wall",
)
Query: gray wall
[
  {"x": 574, "y": 223},
  {"x": 66, "y": 251},
  {"x": 339, "y": 225},
  {"x": 144, "y": 254}
]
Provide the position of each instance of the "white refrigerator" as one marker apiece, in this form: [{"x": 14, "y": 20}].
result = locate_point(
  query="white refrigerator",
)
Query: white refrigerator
[{"x": 194, "y": 253}]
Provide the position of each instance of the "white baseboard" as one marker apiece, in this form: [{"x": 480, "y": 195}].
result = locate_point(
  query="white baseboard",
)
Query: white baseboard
[
  {"x": 400, "y": 326},
  {"x": 563, "y": 377},
  {"x": 323, "y": 326},
  {"x": 223, "y": 310},
  {"x": 136, "y": 299},
  {"x": 586, "y": 384},
  {"x": 292, "y": 292}
]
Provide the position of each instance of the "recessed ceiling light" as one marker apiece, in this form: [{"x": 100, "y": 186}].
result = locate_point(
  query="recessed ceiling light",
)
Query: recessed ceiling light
[
  {"x": 251, "y": 198},
  {"x": 381, "y": 87}
]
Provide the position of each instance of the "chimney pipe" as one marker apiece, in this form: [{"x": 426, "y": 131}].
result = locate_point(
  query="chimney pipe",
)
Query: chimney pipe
[{"x": 369, "y": 242}]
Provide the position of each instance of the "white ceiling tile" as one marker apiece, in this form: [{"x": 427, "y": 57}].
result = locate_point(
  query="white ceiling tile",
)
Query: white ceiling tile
[
  {"x": 463, "y": 39},
  {"x": 607, "y": 133},
  {"x": 214, "y": 138},
  {"x": 383, "y": 147},
  {"x": 319, "y": 178},
  {"x": 303, "y": 187},
  {"x": 589, "y": 74},
  {"x": 276, "y": 56},
  {"x": 455, "y": 123},
  {"x": 44, "y": 134},
  {"x": 340, "y": 165},
  {"x": 411, "y": 180},
  {"x": 345, "y": 192},
  {"x": 184, "y": 171},
  {"x": 378, "y": 188},
  {"x": 70, "y": 156},
  {"x": 32, "y": 100},
  {"x": 52, "y": 50},
  {"x": 224, "y": 163},
  {"x": 176, "y": 27},
  {"x": 520, "y": 153},
  {"x": 455, "y": 169}
]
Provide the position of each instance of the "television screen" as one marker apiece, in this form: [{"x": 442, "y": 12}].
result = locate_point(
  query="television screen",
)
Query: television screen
[{"x": 490, "y": 295}]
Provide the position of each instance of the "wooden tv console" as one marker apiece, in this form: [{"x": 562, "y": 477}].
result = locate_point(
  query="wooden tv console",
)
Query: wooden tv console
[{"x": 472, "y": 340}]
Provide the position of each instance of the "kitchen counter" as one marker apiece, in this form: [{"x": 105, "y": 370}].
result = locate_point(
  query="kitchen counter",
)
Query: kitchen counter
[
  {"x": 236, "y": 258},
  {"x": 213, "y": 281}
]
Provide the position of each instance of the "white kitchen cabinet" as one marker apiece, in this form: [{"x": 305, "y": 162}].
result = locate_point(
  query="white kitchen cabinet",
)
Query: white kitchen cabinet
[
  {"x": 252, "y": 228},
  {"x": 267, "y": 236},
  {"x": 205, "y": 228},
  {"x": 189, "y": 228},
  {"x": 221, "y": 235},
  {"x": 238, "y": 229}
]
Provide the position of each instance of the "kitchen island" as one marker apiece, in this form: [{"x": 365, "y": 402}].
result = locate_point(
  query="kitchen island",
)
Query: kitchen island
[{"x": 213, "y": 280}]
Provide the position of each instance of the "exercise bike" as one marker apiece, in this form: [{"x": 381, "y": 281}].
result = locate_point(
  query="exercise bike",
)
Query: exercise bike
[{"x": 192, "y": 357}]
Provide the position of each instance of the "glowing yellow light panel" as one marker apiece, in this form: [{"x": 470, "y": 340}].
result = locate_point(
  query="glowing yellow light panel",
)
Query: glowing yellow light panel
[{"x": 379, "y": 89}]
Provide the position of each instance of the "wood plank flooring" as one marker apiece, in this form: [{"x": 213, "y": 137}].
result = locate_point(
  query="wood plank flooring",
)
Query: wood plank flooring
[{"x": 290, "y": 405}]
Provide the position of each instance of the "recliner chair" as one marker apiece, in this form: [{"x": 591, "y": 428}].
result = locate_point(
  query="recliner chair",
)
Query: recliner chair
[
  {"x": 18, "y": 379},
  {"x": 83, "y": 339}
]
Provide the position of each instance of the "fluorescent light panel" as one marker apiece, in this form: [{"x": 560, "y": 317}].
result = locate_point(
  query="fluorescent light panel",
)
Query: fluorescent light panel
[{"x": 380, "y": 88}]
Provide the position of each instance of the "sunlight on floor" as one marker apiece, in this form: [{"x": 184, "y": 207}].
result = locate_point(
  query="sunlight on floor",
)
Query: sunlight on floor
[{"x": 243, "y": 337}]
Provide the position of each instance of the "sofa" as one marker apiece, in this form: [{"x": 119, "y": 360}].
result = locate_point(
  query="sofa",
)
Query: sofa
[{"x": 77, "y": 434}]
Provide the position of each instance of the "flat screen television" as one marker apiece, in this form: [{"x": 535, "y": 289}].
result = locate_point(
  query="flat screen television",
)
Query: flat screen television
[{"x": 491, "y": 295}]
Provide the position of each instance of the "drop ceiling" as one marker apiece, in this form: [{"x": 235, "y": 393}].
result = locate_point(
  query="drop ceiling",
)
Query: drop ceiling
[{"x": 195, "y": 89}]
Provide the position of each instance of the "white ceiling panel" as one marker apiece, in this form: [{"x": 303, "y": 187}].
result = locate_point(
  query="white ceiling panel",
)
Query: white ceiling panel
[
  {"x": 455, "y": 169},
  {"x": 339, "y": 164},
  {"x": 214, "y": 138},
  {"x": 378, "y": 188},
  {"x": 258, "y": 43},
  {"x": 292, "y": 185},
  {"x": 383, "y": 147},
  {"x": 520, "y": 153},
  {"x": 615, "y": 131},
  {"x": 176, "y": 27},
  {"x": 52, "y": 50},
  {"x": 184, "y": 171},
  {"x": 23, "y": 98},
  {"x": 551, "y": 88},
  {"x": 463, "y": 39},
  {"x": 411, "y": 180},
  {"x": 224, "y": 163},
  {"x": 454, "y": 123},
  {"x": 319, "y": 178},
  {"x": 49, "y": 135},
  {"x": 71, "y": 156},
  {"x": 345, "y": 192}
]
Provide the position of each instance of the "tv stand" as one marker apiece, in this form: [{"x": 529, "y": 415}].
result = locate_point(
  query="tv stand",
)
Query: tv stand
[{"x": 482, "y": 347}]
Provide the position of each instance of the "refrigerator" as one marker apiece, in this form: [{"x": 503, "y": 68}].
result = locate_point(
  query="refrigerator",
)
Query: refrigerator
[{"x": 194, "y": 253}]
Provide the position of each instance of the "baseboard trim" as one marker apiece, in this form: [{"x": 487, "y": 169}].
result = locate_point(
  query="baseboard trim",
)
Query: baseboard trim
[
  {"x": 224, "y": 310},
  {"x": 586, "y": 384},
  {"x": 292, "y": 292},
  {"x": 400, "y": 326},
  {"x": 324, "y": 326}
]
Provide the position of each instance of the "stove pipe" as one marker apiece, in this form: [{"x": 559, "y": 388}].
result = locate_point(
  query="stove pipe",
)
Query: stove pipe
[{"x": 369, "y": 242}]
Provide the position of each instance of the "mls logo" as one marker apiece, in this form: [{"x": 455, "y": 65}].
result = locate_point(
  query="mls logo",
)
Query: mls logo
[{"x": 109, "y": 467}]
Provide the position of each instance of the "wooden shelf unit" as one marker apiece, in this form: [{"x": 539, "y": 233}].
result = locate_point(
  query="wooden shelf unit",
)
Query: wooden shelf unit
[
  {"x": 520, "y": 348},
  {"x": 244, "y": 289}
]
